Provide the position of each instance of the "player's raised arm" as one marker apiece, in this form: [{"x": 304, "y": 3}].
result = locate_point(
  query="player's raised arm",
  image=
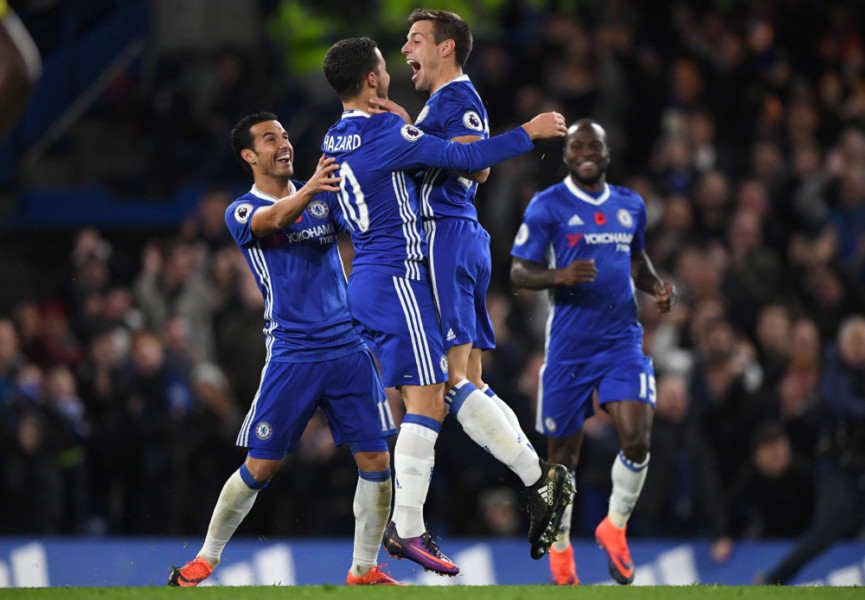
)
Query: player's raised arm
[
  {"x": 20, "y": 67},
  {"x": 283, "y": 213},
  {"x": 546, "y": 125}
]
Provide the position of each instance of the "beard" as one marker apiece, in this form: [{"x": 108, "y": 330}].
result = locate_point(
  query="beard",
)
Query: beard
[{"x": 588, "y": 181}]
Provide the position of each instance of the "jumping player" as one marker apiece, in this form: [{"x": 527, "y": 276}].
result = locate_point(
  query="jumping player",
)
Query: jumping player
[
  {"x": 439, "y": 43},
  {"x": 389, "y": 295}
]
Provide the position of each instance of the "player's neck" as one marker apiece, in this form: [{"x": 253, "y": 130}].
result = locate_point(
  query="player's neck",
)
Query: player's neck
[
  {"x": 278, "y": 187},
  {"x": 447, "y": 73},
  {"x": 359, "y": 102},
  {"x": 593, "y": 188}
]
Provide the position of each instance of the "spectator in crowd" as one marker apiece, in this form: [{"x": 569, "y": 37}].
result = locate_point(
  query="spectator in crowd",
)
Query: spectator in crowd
[
  {"x": 11, "y": 359},
  {"x": 156, "y": 401},
  {"x": 758, "y": 503},
  {"x": 840, "y": 495}
]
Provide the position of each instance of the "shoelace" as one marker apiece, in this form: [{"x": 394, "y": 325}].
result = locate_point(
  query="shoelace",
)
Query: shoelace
[{"x": 429, "y": 543}]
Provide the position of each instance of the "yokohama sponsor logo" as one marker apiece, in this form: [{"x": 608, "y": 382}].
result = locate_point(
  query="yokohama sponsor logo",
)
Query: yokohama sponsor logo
[
  {"x": 609, "y": 238},
  {"x": 310, "y": 233}
]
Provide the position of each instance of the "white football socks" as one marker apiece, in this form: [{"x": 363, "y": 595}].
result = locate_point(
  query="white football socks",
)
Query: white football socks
[
  {"x": 509, "y": 413},
  {"x": 487, "y": 425},
  {"x": 371, "y": 509},
  {"x": 413, "y": 461},
  {"x": 628, "y": 478},
  {"x": 234, "y": 503}
]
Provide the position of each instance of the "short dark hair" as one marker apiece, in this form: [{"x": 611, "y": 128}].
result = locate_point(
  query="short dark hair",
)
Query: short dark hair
[
  {"x": 241, "y": 137},
  {"x": 347, "y": 63},
  {"x": 447, "y": 26}
]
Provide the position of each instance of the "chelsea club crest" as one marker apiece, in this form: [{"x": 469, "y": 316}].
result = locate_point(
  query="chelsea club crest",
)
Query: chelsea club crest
[
  {"x": 318, "y": 209},
  {"x": 263, "y": 430}
]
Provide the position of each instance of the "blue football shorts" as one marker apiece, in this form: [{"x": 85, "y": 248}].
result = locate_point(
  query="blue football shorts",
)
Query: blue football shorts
[
  {"x": 397, "y": 317},
  {"x": 349, "y": 391},
  {"x": 565, "y": 390},
  {"x": 460, "y": 265}
]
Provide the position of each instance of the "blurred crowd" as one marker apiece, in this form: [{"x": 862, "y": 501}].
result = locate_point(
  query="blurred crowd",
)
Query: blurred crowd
[{"x": 742, "y": 126}]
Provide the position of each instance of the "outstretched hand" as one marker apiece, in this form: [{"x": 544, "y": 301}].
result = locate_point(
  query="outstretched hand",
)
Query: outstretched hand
[
  {"x": 665, "y": 296},
  {"x": 324, "y": 179},
  {"x": 579, "y": 271},
  {"x": 546, "y": 125},
  {"x": 382, "y": 105}
]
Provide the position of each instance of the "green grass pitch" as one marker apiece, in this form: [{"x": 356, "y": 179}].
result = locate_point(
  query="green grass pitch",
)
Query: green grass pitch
[{"x": 493, "y": 592}]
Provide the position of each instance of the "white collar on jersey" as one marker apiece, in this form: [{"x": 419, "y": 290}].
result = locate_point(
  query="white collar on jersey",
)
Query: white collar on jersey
[
  {"x": 259, "y": 194},
  {"x": 576, "y": 191},
  {"x": 463, "y": 77},
  {"x": 355, "y": 113}
]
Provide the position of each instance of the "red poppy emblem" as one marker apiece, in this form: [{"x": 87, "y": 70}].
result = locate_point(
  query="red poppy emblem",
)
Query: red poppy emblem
[{"x": 600, "y": 219}]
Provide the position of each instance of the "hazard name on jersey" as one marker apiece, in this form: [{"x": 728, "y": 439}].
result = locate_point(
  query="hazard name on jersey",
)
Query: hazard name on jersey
[{"x": 341, "y": 143}]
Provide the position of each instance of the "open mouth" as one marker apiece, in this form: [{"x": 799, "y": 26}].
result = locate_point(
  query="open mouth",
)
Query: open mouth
[
  {"x": 285, "y": 159},
  {"x": 415, "y": 65}
]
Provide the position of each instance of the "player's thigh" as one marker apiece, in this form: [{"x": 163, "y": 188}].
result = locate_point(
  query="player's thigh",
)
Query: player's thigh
[
  {"x": 628, "y": 376},
  {"x": 564, "y": 399},
  {"x": 286, "y": 400},
  {"x": 355, "y": 403},
  {"x": 485, "y": 337},
  {"x": 398, "y": 316},
  {"x": 460, "y": 274}
]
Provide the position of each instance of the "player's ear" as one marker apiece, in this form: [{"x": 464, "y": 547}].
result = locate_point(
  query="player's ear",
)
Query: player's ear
[
  {"x": 448, "y": 47},
  {"x": 248, "y": 155}
]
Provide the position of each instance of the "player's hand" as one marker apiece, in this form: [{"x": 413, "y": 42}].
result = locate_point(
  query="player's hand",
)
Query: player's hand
[
  {"x": 579, "y": 271},
  {"x": 324, "y": 179},
  {"x": 665, "y": 296},
  {"x": 546, "y": 125},
  {"x": 382, "y": 105}
]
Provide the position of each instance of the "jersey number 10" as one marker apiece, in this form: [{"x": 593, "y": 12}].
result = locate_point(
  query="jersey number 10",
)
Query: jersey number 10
[{"x": 352, "y": 201}]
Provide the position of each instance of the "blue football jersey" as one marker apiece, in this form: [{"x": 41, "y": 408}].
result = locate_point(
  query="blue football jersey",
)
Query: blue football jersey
[
  {"x": 300, "y": 275},
  {"x": 564, "y": 223},
  {"x": 379, "y": 198},
  {"x": 454, "y": 110}
]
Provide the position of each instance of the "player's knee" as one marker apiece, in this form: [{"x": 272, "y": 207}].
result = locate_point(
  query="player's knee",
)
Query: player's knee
[
  {"x": 372, "y": 461},
  {"x": 262, "y": 470},
  {"x": 636, "y": 447}
]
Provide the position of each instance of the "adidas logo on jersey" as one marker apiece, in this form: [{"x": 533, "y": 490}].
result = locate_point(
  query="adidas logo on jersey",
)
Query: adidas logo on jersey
[
  {"x": 576, "y": 220},
  {"x": 451, "y": 334}
]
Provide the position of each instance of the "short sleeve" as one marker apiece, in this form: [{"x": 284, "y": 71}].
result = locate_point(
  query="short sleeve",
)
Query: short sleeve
[
  {"x": 533, "y": 237},
  {"x": 238, "y": 218},
  {"x": 464, "y": 117}
]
